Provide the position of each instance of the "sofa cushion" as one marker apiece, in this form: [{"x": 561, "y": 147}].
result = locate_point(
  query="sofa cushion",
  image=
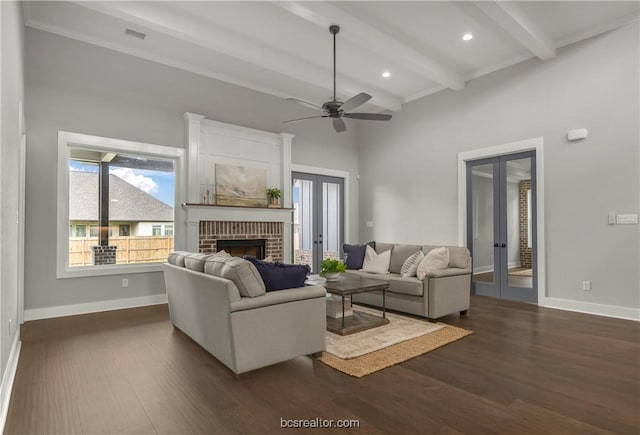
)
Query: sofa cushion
[
  {"x": 243, "y": 274},
  {"x": 410, "y": 265},
  {"x": 458, "y": 257},
  {"x": 406, "y": 286},
  {"x": 376, "y": 263},
  {"x": 196, "y": 261},
  {"x": 382, "y": 277},
  {"x": 177, "y": 258},
  {"x": 278, "y": 276},
  {"x": 382, "y": 247},
  {"x": 399, "y": 254},
  {"x": 436, "y": 259},
  {"x": 354, "y": 254}
]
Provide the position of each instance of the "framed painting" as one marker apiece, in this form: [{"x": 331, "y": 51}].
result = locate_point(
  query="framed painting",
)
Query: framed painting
[{"x": 240, "y": 186}]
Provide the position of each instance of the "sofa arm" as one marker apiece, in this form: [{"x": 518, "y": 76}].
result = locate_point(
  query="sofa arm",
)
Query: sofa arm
[
  {"x": 279, "y": 297},
  {"x": 451, "y": 271}
]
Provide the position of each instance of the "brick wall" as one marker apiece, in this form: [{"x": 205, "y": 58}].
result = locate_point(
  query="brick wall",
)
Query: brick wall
[
  {"x": 103, "y": 255},
  {"x": 525, "y": 251},
  {"x": 271, "y": 232}
]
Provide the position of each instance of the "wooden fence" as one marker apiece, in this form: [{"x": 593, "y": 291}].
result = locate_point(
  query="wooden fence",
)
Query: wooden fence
[{"x": 131, "y": 250}]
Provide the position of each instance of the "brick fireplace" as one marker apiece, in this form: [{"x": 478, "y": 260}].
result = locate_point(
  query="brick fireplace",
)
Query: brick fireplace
[{"x": 210, "y": 232}]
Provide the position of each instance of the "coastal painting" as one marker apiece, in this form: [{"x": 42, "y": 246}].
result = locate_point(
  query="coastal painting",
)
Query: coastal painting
[{"x": 241, "y": 186}]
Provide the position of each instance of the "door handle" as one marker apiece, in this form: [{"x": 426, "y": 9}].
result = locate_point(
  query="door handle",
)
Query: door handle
[
  {"x": 315, "y": 242},
  {"x": 496, "y": 244},
  {"x": 504, "y": 245}
]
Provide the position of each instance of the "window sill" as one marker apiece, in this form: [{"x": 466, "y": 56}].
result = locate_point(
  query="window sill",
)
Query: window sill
[{"x": 115, "y": 269}]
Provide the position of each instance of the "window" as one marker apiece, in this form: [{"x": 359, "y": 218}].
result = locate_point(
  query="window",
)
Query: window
[
  {"x": 114, "y": 187},
  {"x": 81, "y": 231}
]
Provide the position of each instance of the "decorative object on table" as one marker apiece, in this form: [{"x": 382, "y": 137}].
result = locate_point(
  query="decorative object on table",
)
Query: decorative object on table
[
  {"x": 240, "y": 186},
  {"x": 274, "y": 195},
  {"x": 354, "y": 254},
  {"x": 331, "y": 269},
  {"x": 403, "y": 338}
]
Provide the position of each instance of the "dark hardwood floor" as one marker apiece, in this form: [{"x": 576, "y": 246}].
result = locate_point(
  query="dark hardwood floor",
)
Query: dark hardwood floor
[{"x": 524, "y": 370}]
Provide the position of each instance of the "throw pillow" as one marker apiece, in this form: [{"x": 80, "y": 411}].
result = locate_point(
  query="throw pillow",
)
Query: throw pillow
[
  {"x": 242, "y": 272},
  {"x": 279, "y": 276},
  {"x": 410, "y": 265},
  {"x": 354, "y": 254},
  {"x": 436, "y": 259},
  {"x": 376, "y": 263}
]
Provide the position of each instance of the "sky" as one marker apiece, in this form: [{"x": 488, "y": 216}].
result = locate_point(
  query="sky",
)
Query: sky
[{"x": 160, "y": 185}]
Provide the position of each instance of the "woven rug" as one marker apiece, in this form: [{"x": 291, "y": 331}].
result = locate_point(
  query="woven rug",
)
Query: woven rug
[{"x": 403, "y": 338}]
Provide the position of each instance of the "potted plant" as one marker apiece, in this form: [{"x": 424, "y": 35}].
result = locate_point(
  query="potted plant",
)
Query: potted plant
[
  {"x": 274, "y": 195},
  {"x": 331, "y": 269}
]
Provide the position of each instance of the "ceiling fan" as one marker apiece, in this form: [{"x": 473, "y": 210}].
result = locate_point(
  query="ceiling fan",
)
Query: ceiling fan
[{"x": 336, "y": 110}]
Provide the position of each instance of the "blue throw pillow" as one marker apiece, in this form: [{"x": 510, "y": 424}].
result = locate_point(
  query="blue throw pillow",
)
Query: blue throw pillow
[
  {"x": 354, "y": 254},
  {"x": 278, "y": 276}
]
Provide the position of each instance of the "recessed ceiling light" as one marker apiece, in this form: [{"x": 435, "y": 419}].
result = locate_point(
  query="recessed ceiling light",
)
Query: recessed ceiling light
[
  {"x": 467, "y": 37},
  {"x": 386, "y": 74}
]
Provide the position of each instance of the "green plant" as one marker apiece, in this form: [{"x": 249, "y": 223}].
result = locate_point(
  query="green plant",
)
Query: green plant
[
  {"x": 274, "y": 192},
  {"x": 330, "y": 265}
]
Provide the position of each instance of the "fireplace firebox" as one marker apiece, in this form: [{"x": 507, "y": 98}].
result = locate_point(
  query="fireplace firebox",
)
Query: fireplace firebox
[{"x": 240, "y": 248}]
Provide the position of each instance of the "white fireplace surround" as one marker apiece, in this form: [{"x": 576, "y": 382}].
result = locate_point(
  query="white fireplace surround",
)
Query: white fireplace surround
[{"x": 210, "y": 142}]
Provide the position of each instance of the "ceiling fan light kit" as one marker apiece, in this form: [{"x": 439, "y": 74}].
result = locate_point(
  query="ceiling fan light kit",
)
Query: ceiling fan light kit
[{"x": 335, "y": 109}]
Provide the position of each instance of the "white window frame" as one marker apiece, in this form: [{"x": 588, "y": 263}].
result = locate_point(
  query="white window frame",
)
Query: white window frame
[{"x": 68, "y": 140}]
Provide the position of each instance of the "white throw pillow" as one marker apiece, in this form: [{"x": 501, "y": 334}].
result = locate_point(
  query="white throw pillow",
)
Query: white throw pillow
[
  {"x": 410, "y": 265},
  {"x": 437, "y": 258},
  {"x": 376, "y": 263}
]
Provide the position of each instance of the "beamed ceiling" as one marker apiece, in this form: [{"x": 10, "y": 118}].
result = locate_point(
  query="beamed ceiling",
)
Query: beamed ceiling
[{"x": 284, "y": 48}]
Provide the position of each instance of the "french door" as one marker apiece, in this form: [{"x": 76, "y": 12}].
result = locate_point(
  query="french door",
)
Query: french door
[
  {"x": 318, "y": 218},
  {"x": 501, "y": 226}
]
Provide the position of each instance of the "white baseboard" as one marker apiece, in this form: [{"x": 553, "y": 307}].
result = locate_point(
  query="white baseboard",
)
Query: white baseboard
[
  {"x": 8, "y": 378},
  {"x": 93, "y": 307},
  {"x": 591, "y": 308}
]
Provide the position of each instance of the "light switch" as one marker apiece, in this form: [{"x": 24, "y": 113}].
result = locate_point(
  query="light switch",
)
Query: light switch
[
  {"x": 612, "y": 218},
  {"x": 627, "y": 219}
]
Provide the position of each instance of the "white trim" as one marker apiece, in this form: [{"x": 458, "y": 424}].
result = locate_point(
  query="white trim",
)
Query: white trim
[
  {"x": 8, "y": 378},
  {"x": 591, "y": 308},
  {"x": 93, "y": 307},
  {"x": 85, "y": 141},
  {"x": 534, "y": 144},
  {"x": 331, "y": 173}
]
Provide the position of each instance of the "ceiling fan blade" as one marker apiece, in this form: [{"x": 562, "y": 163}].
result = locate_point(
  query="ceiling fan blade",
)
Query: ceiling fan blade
[
  {"x": 308, "y": 117},
  {"x": 305, "y": 103},
  {"x": 356, "y": 101},
  {"x": 339, "y": 125},
  {"x": 368, "y": 116}
]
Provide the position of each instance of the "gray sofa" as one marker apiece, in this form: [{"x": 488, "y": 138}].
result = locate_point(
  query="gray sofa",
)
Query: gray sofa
[
  {"x": 242, "y": 332},
  {"x": 442, "y": 292}
]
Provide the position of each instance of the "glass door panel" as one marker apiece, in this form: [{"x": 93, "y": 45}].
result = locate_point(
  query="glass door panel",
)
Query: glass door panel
[
  {"x": 303, "y": 222},
  {"x": 482, "y": 227},
  {"x": 331, "y": 220}
]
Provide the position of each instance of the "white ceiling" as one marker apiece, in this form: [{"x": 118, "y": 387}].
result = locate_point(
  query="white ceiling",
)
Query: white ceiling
[{"x": 285, "y": 49}]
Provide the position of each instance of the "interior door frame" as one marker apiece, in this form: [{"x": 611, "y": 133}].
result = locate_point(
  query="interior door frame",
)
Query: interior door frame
[{"x": 534, "y": 144}]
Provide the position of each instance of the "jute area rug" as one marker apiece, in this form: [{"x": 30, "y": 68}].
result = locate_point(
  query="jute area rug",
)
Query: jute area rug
[{"x": 403, "y": 338}]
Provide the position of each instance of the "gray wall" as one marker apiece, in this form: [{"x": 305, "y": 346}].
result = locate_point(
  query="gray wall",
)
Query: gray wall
[
  {"x": 408, "y": 166},
  {"x": 12, "y": 94},
  {"x": 82, "y": 88}
]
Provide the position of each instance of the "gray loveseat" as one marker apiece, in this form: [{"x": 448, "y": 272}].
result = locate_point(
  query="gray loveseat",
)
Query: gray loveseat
[
  {"x": 442, "y": 292},
  {"x": 242, "y": 332}
]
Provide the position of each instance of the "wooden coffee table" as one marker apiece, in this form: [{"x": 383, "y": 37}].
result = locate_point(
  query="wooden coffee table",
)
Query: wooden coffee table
[{"x": 347, "y": 285}]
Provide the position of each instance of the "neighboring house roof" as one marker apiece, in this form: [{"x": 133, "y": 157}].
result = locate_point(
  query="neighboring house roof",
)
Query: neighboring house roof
[{"x": 128, "y": 203}]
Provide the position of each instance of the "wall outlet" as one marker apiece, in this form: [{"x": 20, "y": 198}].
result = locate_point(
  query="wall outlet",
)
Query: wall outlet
[
  {"x": 612, "y": 218},
  {"x": 125, "y": 282},
  {"x": 586, "y": 286},
  {"x": 369, "y": 224}
]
